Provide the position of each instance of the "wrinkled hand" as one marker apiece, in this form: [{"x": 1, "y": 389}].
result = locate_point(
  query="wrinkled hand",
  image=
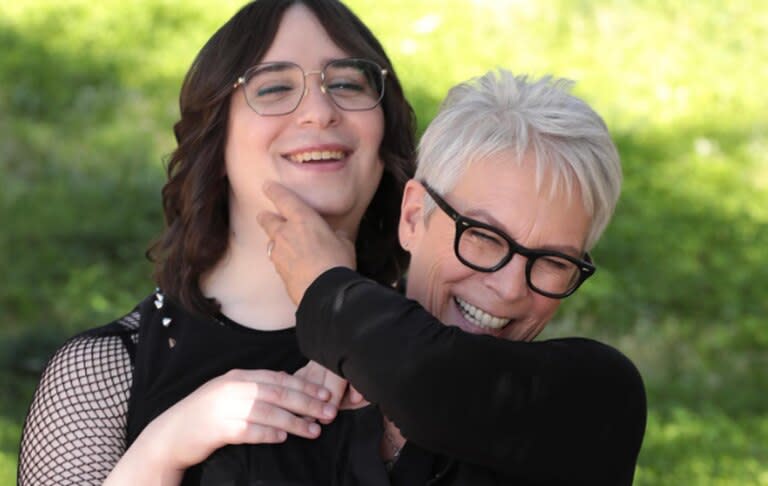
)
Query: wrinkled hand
[
  {"x": 241, "y": 406},
  {"x": 303, "y": 246},
  {"x": 343, "y": 395}
]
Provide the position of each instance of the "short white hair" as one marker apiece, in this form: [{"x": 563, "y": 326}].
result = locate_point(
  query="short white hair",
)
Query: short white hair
[{"x": 501, "y": 112}]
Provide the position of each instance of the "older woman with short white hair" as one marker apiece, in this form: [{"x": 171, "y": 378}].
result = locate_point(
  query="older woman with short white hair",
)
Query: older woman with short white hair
[{"x": 516, "y": 181}]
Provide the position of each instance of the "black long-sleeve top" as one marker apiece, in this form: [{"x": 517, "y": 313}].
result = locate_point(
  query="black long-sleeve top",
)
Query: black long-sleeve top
[{"x": 561, "y": 411}]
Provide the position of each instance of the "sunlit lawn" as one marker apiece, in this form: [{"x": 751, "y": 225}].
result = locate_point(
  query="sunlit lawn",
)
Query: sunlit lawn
[{"x": 88, "y": 94}]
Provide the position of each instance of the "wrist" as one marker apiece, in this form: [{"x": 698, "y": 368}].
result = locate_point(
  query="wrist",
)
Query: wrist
[
  {"x": 146, "y": 463},
  {"x": 158, "y": 454}
]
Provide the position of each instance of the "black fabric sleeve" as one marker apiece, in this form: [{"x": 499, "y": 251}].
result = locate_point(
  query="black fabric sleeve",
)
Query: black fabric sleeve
[{"x": 564, "y": 410}]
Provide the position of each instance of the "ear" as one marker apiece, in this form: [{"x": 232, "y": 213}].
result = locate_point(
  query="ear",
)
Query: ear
[{"x": 411, "y": 214}]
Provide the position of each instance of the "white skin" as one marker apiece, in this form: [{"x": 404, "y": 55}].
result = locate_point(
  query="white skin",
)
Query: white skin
[
  {"x": 259, "y": 149},
  {"x": 496, "y": 191},
  {"x": 262, "y": 406},
  {"x": 503, "y": 194}
]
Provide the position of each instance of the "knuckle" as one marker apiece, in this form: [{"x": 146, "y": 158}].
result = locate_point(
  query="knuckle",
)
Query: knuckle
[
  {"x": 310, "y": 388},
  {"x": 234, "y": 374},
  {"x": 258, "y": 376},
  {"x": 287, "y": 380},
  {"x": 279, "y": 394},
  {"x": 228, "y": 388},
  {"x": 260, "y": 391},
  {"x": 282, "y": 376}
]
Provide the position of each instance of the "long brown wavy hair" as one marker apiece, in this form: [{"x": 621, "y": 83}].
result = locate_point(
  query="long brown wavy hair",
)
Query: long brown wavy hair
[{"x": 196, "y": 195}]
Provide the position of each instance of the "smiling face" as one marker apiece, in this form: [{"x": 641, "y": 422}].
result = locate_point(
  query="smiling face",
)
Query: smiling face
[
  {"x": 328, "y": 156},
  {"x": 499, "y": 192}
]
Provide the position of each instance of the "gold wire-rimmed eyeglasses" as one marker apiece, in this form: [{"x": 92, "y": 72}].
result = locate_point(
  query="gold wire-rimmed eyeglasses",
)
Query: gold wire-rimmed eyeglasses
[{"x": 277, "y": 88}]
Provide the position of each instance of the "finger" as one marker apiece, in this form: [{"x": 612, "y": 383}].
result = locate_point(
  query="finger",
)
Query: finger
[
  {"x": 271, "y": 415},
  {"x": 282, "y": 379},
  {"x": 312, "y": 387},
  {"x": 353, "y": 400},
  {"x": 338, "y": 387},
  {"x": 354, "y": 395},
  {"x": 287, "y": 203},
  {"x": 270, "y": 222},
  {"x": 314, "y": 373},
  {"x": 260, "y": 434},
  {"x": 294, "y": 401},
  {"x": 317, "y": 374}
]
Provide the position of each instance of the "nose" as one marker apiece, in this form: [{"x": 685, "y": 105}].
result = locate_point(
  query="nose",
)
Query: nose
[
  {"x": 509, "y": 282},
  {"x": 316, "y": 106}
]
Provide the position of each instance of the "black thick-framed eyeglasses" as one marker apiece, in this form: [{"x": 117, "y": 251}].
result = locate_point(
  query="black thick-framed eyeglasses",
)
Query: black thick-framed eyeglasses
[
  {"x": 485, "y": 248},
  {"x": 277, "y": 88}
]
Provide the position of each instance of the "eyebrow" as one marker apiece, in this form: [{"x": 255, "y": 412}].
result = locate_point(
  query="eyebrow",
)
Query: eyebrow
[
  {"x": 477, "y": 213},
  {"x": 323, "y": 62},
  {"x": 275, "y": 66}
]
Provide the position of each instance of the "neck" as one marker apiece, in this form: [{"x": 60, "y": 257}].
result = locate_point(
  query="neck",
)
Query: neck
[
  {"x": 343, "y": 224},
  {"x": 246, "y": 283}
]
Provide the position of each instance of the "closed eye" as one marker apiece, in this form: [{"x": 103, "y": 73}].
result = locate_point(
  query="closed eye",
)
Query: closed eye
[
  {"x": 349, "y": 86},
  {"x": 485, "y": 237},
  {"x": 273, "y": 90},
  {"x": 558, "y": 263}
]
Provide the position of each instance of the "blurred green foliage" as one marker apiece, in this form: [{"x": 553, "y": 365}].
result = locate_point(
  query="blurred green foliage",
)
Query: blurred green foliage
[{"x": 88, "y": 96}]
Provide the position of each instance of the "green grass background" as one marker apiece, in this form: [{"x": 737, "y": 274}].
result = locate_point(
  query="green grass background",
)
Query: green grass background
[{"x": 88, "y": 94}]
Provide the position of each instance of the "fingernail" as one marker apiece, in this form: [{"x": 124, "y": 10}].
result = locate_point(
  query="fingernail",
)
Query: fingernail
[
  {"x": 324, "y": 394},
  {"x": 314, "y": 429},
  {"x": 329, "y": 411}
]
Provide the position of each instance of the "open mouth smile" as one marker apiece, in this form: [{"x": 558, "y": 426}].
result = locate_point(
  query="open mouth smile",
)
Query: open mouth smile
[
  {"x": 315, "y": 156},
  {"x": 479, "y": 317}
]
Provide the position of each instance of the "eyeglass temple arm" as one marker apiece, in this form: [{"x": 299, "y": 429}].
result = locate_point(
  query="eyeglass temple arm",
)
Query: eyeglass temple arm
[{"x": 441, "y": 202}]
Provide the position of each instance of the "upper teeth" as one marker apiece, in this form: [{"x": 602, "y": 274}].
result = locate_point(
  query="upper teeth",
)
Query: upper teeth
[
  {"x": 317, "y": 155},
  {"x": 479, "y": 317}
]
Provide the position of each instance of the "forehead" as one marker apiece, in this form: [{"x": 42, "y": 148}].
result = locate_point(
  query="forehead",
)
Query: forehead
[
  {"x": 504, "y": 192},
  {"x": 302, "y": 39}
]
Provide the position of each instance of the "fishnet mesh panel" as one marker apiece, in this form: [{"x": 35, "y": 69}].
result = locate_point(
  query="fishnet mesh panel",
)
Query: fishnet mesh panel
[{"x": 75, "y": 431}]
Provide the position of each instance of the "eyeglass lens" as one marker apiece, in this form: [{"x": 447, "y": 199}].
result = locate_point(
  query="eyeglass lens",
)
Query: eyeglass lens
[
  {"x": 277, "y": 88},
  {"x": 486, "y": 249}
]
